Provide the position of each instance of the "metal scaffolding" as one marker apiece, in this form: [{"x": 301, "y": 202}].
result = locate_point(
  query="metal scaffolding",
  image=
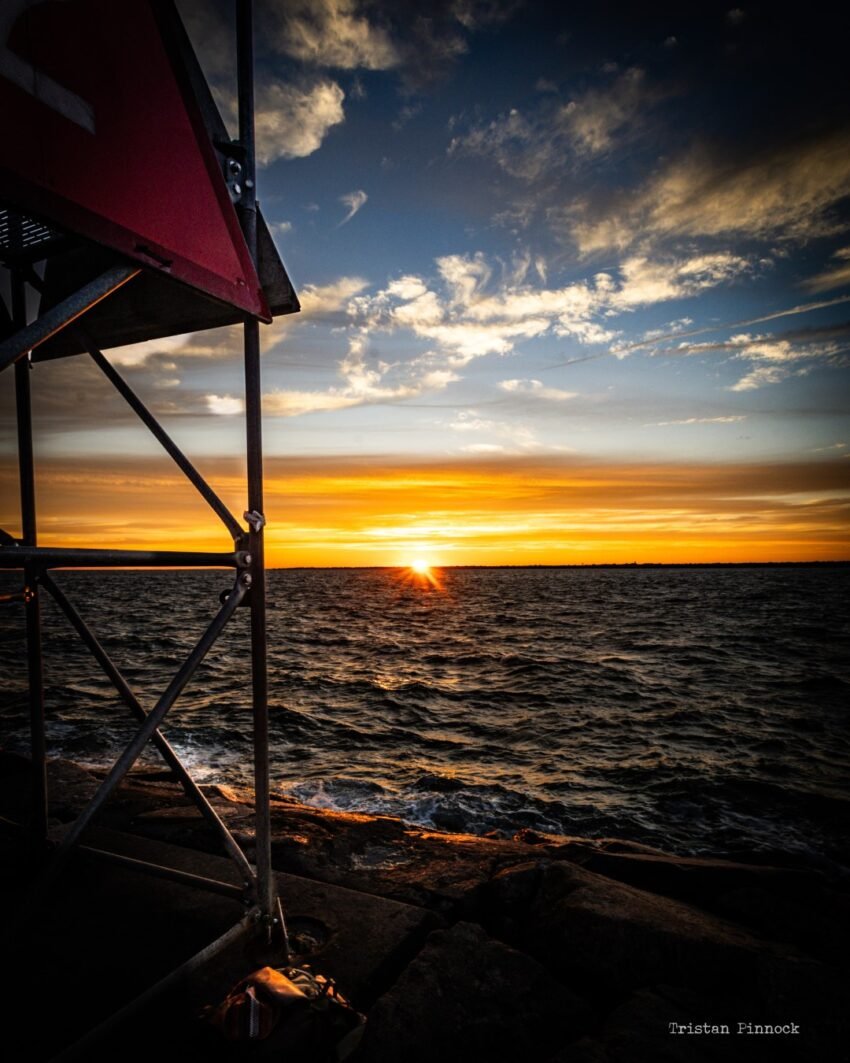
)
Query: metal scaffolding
[{"x": 24, "y": 241}]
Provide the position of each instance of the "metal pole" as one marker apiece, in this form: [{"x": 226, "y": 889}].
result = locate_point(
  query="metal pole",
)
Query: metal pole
[
  {"x": 82, "y": 1048},
  {"x": 193, "y": 791},
  {"x": 73, "y": 557},
  {"x": 26, "y": 465},
  {"x": 266, "y": 891},
  {"x": 169, "y": 874}
]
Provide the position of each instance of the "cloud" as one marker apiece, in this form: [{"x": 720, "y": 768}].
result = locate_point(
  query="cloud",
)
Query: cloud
[
  {"x": 811, "y": 346},
  {"x": 366, "y": 381},
  {"x": 293, "y": 403},
  {"x": 520, "y": 438},
  {"x": 353, "y": 201},
  {"x": 331, "y": 33},
  {"x": 786, "y": 193},
  {"x": 328, "y": 301},
  {"x": 733, "y": 419},
  {"x": 471, "y": 311},
  {"x": 536, "y": 389},
  {"x": 541, "y": 142},
  {"x": 224, "y": 405},
  {"x": 593, "y": 118},
  {"x": 837, "y": 277},
  {"x": 139, "y": 353},
  {"x": 292, "y": 120},
  {"x": 781, "y": 355},
  {"x": 420, "y": 44},
  {"x": 762, "y": 375},
  {"x": 280, "y": 228},
  {"x": 648, "y": 281}
]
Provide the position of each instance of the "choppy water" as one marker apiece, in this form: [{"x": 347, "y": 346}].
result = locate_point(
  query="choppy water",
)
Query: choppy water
[{"x": 700, "y": 709}]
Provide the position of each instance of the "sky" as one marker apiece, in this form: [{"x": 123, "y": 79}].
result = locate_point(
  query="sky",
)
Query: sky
[{"x": 575, "y": 289}]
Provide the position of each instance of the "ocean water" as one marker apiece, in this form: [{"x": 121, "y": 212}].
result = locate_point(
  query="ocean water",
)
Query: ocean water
[{"x": 702, "y": 710}]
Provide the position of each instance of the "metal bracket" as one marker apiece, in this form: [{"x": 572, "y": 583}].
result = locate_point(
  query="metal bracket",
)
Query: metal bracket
[{"x": 256, "y": 520}]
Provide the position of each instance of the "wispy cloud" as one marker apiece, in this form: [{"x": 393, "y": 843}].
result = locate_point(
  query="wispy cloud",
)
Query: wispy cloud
[
  {"x": 733, "y": 419},
  {"x": 837, "y": 276},
  {"x": 787, "y": 193},
  {"x": 536, "y": 389},
  {"x": 353, "y": 202},
  {"x": 763, "y": 375},
  {"x": 333, "y": 33},
  {"x": 512, "y": 437},
  {"x": 594, "y": 118},
  {"x": 380, "y": 35},
  {"x": 538, "y": 143}
]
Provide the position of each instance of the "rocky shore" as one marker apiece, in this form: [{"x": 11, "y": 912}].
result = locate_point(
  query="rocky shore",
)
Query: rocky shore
[{"x": 536, "y": 947}]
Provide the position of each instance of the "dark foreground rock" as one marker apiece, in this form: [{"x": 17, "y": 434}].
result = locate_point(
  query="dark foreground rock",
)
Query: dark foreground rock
[
  {"x": 564, "y": 950},
  {"x": 468, "y": 996}
]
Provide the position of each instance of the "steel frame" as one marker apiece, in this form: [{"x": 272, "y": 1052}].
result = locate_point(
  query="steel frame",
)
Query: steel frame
[{"x": 246, "y": 557}]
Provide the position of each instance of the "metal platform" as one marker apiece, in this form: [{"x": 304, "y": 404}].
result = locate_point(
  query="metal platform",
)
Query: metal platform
[{"x": 90, "y": 296}]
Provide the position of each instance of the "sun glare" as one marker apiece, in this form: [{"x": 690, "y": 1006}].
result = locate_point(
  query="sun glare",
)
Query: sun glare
[{"x": 421, "y": 573}]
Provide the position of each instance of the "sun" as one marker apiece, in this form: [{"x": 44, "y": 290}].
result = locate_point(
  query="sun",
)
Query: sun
[{"x": 420, "y": 566}]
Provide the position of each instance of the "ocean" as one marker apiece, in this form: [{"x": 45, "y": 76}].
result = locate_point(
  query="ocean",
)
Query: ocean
[{"x": 700, "y": 710}]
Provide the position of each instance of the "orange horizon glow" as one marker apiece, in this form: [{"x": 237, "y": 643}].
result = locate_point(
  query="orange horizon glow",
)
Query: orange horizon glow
[{"x": 371, "y": 512}]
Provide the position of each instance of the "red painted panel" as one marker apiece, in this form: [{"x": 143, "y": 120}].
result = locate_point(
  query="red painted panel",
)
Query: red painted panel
[{"x": 98, "y": 137}]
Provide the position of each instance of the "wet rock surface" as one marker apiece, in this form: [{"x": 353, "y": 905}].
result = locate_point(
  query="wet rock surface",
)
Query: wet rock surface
[{"x": 566, "y": 950}]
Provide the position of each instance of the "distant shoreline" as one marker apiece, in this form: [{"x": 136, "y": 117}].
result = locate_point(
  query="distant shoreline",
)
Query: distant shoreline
[
  {"x": 573, "y": 564},
  {"x": 631, "y": 565}
]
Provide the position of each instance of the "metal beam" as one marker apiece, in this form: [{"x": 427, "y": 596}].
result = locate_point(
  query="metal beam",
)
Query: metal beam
[
  {"x": 170, "y": 874},
  {"x": 61, "y": 315},
  {"x": 61, "y": 557},
  {"x": 35, "y": 668}
]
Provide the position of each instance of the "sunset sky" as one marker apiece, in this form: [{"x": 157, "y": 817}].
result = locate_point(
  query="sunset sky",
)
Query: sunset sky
[{"x": 575, "y": 288}]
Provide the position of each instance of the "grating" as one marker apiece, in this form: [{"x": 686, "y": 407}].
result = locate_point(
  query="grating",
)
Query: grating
[{"x": 20, "y": 235}]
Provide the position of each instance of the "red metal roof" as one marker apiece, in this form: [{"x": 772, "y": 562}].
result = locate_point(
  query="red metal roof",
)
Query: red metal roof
[{"x": 102, "y": 137}]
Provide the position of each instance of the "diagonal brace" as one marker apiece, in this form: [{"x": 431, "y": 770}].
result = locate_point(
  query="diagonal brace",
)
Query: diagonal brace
[
  {"x": 152, "y": 721},
  {"x": 187, "y": 468},
  {"x": 192, "y": 789},
  {"x": 61, "y": 315}
]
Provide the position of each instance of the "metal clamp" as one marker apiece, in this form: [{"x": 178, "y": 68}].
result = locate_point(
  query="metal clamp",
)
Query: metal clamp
[{"x": 256, "y": 520}]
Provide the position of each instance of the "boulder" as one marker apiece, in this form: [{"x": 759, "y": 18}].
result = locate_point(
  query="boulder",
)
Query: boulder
[
  {"x": 467, "y": 997},
  {"x": 586, "y": 926}
]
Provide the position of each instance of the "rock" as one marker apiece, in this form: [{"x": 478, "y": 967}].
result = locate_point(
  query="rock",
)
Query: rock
[
  {"x": 816, "y": 920},
  {"x": 587, "y": 926},
  {"x": 467, "y": 997},
  {"x": 697, "y": 879},
  {"x": 638, "y": 1031}
]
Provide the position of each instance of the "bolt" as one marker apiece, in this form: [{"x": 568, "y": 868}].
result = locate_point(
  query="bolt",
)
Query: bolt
[
  {"x": 246, "y": 560},
  {"x": 236, "y": 189},
  {"x": 246, "y": 579},
  {"x": 234, "y": 167}
]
